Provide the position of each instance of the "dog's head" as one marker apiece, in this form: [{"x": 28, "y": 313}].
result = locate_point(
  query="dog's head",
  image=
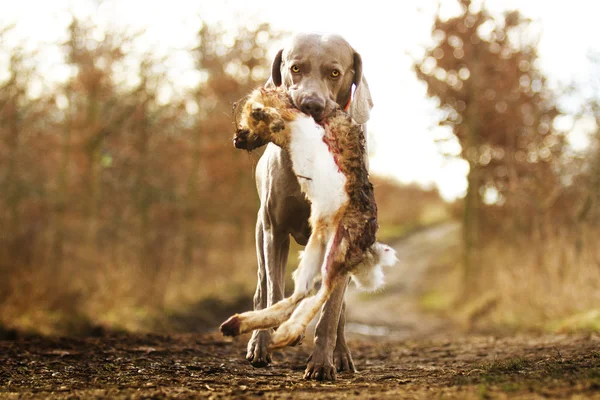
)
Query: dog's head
[{"x": 319, "y": 72}]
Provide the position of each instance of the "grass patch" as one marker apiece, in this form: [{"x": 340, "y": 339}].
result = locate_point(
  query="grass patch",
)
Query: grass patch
[
  {"x": 496, "y": 372},
  {"x": 388, "y": 233},
  {"x": 510, "y": 387},
  {"x": 510, "y": 366},
  {"x": 519, "y": 374},
  {"x": 437, "y": 300},
  {"x": 584, "y": 321},
  {"x": 543, "y": 282},
  {"x": 483, "y": 391}
]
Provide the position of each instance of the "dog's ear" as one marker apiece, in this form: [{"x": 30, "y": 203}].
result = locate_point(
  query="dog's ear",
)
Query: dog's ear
[
  {"x": 275, "y": 79},
  {"x": 362, "y": 103}
]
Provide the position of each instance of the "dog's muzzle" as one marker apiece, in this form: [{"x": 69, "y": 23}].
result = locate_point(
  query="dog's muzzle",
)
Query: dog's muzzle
[{"x": 313, "y": 106}]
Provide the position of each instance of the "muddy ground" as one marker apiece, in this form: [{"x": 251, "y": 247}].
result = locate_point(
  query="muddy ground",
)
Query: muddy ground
[
  {"x": 400, "y": 352},
  {"x": 206, "y": 366}
]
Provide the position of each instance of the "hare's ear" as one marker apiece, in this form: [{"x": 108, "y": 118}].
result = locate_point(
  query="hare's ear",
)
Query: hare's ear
[
  {"x": 275, "y": 78},
  {"x": 362, "y": 103}
]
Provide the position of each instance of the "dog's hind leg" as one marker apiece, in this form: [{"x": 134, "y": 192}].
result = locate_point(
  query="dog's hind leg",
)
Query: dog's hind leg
[
  {"x": 309, "y": 307},
  {"x": 322, "y": 361},
  {"x": 341, "y": 354}
]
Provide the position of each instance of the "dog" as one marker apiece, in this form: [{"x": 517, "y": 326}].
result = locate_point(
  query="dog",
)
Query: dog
[
  {"x": 319, "y": 72},
  {"x": 329, "y": 162}
]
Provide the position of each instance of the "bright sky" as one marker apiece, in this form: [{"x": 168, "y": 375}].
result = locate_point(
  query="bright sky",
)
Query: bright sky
[{"x": 387, "y": 34}]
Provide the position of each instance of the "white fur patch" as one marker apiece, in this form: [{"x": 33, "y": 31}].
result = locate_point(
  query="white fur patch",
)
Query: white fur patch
[
  {"x": 308, "y": 269},
  {"x": 368, "y": 275},
  {"x": 317, "y": 172},
  {"x": 325, "y": 186},
  {"x": 385, "y": 254}
]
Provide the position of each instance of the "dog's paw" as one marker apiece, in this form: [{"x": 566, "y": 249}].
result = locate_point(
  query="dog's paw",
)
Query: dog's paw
[
  {"x": 343, "y": 359},
  {"x": 258, "y": 349},
  {"x": 231, "y": 327},
  {"x": 320, "y": 367}
]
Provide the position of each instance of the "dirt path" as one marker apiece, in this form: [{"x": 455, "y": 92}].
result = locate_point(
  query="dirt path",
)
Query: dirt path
[
  {"x": 394, "y": 312},
  {"x": 399, "y": 351},
  {"x": 194, "y": 366}
]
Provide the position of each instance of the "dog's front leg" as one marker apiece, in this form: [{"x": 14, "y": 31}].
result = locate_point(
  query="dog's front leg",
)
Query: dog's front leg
[
  {"x": 321, "y": 363},
  {"x": 259, "y": 342},
  {"x": 272, "y": 250}
]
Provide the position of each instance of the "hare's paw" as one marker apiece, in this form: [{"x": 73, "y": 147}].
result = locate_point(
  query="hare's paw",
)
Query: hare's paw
[
  {"x": 277, "y": 124},
  {"x": 232, "y": 327},
  {"x": 288, "y": 334},
  {"x": 260, "y": 113},
  {"x": 267, "y": 118}
]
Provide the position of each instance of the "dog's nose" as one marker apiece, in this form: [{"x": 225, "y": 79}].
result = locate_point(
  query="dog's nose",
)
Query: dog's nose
[{"x": 313, "y": 106}]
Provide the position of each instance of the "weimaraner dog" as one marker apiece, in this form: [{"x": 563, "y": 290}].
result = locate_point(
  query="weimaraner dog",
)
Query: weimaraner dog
[{"x": 319, "y": 72}]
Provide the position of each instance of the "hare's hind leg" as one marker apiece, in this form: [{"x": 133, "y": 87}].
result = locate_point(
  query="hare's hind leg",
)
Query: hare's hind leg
[
  {"x": 279, "y": 312},
  {"x": 309, "y": 307}
]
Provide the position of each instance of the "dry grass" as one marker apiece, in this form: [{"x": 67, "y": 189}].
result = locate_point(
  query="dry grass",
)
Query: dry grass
[
  {"x": 546, "y": 282},
  {"x": 111, "y": 289},
  {"x": 542, "y": 281},
  {"x": 79, "y": 297},
  {"x": 405, "y": 208}
]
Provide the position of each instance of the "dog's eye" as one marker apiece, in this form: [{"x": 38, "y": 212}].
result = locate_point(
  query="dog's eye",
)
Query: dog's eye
[
  {"x": 295, "y": 69},
  {"x": 335, "y": 73}
]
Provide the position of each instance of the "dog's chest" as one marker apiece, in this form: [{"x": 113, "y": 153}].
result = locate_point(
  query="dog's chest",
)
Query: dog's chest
[{"x": 318, "y": 174}]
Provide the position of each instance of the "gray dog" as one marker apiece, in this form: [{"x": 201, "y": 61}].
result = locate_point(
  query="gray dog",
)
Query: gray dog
[{"x": 319, "y": 72}]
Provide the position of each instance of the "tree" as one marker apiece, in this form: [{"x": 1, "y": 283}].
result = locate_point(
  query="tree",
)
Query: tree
[
  {"x": 231, "y": 68},
  {"x": 496, "y": 102},
  {"x": 105, "y": 180}
]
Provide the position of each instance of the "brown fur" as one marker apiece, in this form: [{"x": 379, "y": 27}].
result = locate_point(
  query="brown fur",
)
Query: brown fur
[
  {"x": 346, "y": 238},
  {"x": 346, "y": 142}
]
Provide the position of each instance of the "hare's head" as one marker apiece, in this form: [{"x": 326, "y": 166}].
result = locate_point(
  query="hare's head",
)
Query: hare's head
[
  {"x": 247, "y": 139},
  {"x": 260, "y": 121}
]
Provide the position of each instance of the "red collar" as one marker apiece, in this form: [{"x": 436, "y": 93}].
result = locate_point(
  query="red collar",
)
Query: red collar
[{"x": 347, "y": 106}]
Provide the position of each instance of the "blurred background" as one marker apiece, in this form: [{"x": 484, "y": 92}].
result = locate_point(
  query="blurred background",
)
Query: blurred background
[{"x": 124, "y": 206}]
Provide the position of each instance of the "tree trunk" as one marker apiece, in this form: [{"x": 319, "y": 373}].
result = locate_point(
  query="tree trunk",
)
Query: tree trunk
[
  {"x": 60, "y": 204},
  {"x": 191, "y": 203},
  {"x": 472, "y": 198}
]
